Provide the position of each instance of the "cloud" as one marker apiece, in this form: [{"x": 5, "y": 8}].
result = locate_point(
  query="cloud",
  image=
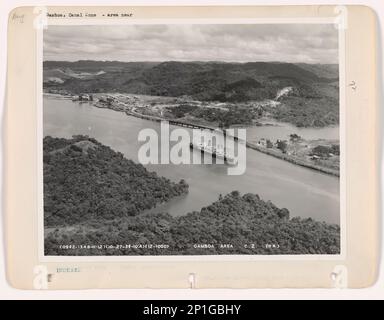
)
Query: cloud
[{"x": 310, "y": 43}]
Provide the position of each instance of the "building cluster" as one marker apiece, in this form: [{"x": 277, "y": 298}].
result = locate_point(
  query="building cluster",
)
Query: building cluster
[
  {"x": 269, "y": 144},
  {"x": 82, "y": 97}
]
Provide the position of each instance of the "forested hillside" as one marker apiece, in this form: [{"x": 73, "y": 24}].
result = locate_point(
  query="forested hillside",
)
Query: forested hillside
[
  {"x": 94, "y": 196},
  {"x": 85, "y": 180},
  {"x": 249, "y": 224},
  {"x": 200, "y": 80},
  {"x": 312, "y": 102}
]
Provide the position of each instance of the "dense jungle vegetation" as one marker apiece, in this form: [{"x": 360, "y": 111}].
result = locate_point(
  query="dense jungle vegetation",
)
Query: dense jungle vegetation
[
  {"x": 314, "y": 101},
  {"x": 85, "y": 180}
]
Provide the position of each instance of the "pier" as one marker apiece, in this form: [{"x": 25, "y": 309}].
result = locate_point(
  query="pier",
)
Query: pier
[{"x": 177, "y": 123}]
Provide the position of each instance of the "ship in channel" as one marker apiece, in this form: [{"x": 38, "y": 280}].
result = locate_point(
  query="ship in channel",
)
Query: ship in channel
[{"x": 217, "y": 153}]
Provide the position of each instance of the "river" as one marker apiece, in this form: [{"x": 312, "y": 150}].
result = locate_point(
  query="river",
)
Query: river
[
  {"x": 304, "y": 192},
  {"x": 280, "y": 130}
]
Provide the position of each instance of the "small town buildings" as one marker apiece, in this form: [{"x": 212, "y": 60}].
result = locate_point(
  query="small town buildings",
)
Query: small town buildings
[{"x": 262, "y": 142}]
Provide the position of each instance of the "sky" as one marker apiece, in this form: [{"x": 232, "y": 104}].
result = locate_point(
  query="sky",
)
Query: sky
[{"x": 306, "y": 43}]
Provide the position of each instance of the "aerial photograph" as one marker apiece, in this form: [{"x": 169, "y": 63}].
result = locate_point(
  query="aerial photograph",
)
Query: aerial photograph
[{"x": 268, "y": 93}]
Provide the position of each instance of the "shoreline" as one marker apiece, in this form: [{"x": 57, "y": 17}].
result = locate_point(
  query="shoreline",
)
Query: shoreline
[
  {"x": 253, "y": 146},
  {"x": 292, "y": 160}
]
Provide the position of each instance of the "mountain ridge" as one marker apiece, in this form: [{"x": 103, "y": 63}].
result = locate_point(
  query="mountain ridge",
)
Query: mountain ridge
[
  {"x": 202, "y": 80},
  {"x": 313, "y": 98}
]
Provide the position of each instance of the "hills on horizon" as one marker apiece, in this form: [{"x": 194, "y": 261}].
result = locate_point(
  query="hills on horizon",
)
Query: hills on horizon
[
  {"x": 220, "y": 81},
  {"x": 322, "y": 70}
]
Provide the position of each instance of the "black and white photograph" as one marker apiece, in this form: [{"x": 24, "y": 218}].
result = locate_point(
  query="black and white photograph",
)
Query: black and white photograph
[{"x": 191, "y": 139}]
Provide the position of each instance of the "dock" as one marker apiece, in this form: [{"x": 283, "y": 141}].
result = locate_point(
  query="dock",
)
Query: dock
[{"x": 177, "y": 123}]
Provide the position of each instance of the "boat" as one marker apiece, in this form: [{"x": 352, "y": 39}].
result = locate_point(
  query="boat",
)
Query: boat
[{"x": 217, "y": 153}]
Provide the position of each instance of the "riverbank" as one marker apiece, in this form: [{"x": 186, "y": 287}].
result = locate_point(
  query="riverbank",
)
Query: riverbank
[
  {"x": 254, "y": 146},
  {"x": 98, "y": 181},
  {"x": 292, "y": 159},
  {"x": 251, "y": 226}
]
